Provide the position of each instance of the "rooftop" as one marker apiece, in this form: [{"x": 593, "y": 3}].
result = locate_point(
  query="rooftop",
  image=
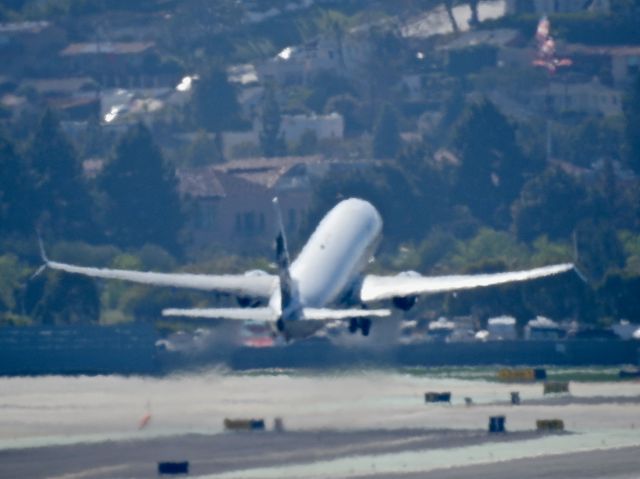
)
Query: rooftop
[
  {"x": 622, "y": 50},
  {"x": 60, "y": 85},
  {"x": 23, "y": 27},
  {"x": 199, "y": 183},
  {"x": 265, "y": 171},
  {"x": 96, "y": 48}
]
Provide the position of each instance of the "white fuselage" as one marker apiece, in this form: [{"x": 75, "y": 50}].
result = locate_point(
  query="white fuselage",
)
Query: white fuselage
[{"x": 334, "y": 256}]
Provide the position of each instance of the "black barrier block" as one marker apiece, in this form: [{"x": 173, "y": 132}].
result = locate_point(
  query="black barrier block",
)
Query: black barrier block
[
  {"x": 540, "y": 374},
  {"x": 257, "y": 424},
  {"x": 171, "y": 468},
  {"x": 496, "y": 424},
  {"x": 437, "y": 397}
]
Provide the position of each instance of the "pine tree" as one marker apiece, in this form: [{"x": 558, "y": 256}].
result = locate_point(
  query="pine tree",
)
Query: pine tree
[
  {"x": 214, "y": 102},
  {"x": 17, "y": 211},
  {"x": 60, "y": 192},
  {"x": 143, "y": 203},
  {"x": 386, "y": 136},
  {"x": 271, "y": 139},
  {"x": 492, "y": 169}
]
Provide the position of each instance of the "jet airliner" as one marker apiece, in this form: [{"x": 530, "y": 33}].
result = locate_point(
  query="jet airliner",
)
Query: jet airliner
[{"x": 326, "y": 282}]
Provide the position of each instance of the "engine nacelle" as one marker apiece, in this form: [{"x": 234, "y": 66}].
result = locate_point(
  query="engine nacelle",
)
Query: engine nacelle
[
  {"x": 247, "y": 302},
  {"x": 256, "y": 272},
  {"x": 405, "y": 303}
]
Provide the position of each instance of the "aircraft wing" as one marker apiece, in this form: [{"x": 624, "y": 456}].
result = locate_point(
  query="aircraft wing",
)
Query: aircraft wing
[
  {"x": 242, "y": 285},
  {"x": 376, "y": 288}
]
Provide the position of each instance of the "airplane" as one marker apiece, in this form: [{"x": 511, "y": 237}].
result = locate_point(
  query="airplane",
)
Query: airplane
[{"x": 326, "y": 282}]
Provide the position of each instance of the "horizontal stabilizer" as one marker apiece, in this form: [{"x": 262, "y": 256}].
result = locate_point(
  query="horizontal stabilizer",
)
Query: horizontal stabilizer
[
  {"x": 239, "y": 314},
  {"x": 333, "y": 314},
  {"x": 269, "y": 315}
]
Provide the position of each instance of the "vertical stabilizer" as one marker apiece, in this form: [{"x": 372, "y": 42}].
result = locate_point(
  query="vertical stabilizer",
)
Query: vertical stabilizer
[{"x": 288, "y": 301}]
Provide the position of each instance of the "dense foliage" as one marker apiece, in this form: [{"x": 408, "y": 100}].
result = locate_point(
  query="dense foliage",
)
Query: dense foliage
[{"x": 468, "y": 190}]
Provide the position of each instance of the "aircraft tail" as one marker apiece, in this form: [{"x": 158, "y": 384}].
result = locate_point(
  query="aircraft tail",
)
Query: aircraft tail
[{"x": 289, "y": 304}]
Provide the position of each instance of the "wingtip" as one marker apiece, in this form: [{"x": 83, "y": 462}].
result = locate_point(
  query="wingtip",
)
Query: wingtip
[
  {"x": 580, "y": 274},
  {"x": 43, "y": 253}
]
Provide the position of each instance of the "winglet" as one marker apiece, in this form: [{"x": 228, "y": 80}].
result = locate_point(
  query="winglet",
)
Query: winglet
[
  {"x": 43, "y": 253},
  {"x": 580, "y": 274}
]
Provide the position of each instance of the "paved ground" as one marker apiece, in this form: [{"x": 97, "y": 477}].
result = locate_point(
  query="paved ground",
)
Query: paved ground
[
  {"x": 228, "y": 452},
  {"x": 347, "y": 424},
  {"x": 611, "y": 464}
]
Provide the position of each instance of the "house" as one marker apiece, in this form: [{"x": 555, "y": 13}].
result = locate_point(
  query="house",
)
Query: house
[
  {"x": 292, "y": 128},
  {"x": 121, "y": 64},
  {"x": 230, "y": 204},
  {"x": 298, "y": 64},
  {"x": 73, "y": 98},
  {"x": 622, "y": 63},
  {"x": 588, "y": 98},
  {"x": 543, "y": 7},
  {"x": 29, "y": 45},
  {"x": 325, "y": 127}
]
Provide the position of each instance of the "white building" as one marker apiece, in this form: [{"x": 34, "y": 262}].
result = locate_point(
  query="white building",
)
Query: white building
[
  {"x": 297, "y": 64},
  {"x": 502, "y": 327},
  {"x": 325, "y": 127},
  {"x": 543, "y": 328},
  {"x": 292, "y": 127}
]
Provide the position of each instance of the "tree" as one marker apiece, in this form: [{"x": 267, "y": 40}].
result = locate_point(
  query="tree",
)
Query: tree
[
  {"x": 632, "y": 124},
  {"x": 401, "y": 204},
  {"x": 17, "y": 211},
  {"x": 64, "y": 299},
  {"x": 591, "y": 140},
  {"x": 308, "y": 143},
  {"x": 550, "y": 204},
  {"x": 598, "y": 247},
  {"x": 492, "y": 168},
  {"x": 214, "y": 102},
  {"x": 271, "y": 139},
  {"x": 143, "y": 203},
  {"x": 355, "y": 113},
  {"x": 203, "y": 150},
  {"x": 386, "y": 135},
  {"x": 61, "y": 195}
]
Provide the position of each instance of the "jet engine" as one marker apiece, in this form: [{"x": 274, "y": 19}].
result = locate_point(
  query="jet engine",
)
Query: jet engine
[
  {"x": 405, "y": 303},
  {"x": 363, "y": 324},
  {"x": 248, "y": 302}
]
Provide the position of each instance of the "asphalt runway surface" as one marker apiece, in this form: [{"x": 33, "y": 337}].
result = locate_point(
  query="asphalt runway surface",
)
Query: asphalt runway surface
[
  {"x": 337, "y": 424},
  {"x": 227, "y": 453}
]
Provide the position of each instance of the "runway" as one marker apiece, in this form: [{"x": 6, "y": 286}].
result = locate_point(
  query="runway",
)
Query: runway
[{"x": 337, "y": 424}]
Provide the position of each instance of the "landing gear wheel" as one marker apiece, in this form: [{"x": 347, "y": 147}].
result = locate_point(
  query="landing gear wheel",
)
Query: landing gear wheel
[
  {"x": 280, "y": 325},
  {"x": 353, "y": 325},
  {"x": 365, "y": 326}
]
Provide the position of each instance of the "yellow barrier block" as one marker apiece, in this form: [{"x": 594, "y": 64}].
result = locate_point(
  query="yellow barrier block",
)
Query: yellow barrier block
[
  {"x": 557, "y": 387},
  {"x": 517, "y": 375},
  {"x": 550, "y": 425}
]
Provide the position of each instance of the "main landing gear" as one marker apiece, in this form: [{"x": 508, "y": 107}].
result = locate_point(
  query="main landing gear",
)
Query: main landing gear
[{"x": 363, "y": 324}]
